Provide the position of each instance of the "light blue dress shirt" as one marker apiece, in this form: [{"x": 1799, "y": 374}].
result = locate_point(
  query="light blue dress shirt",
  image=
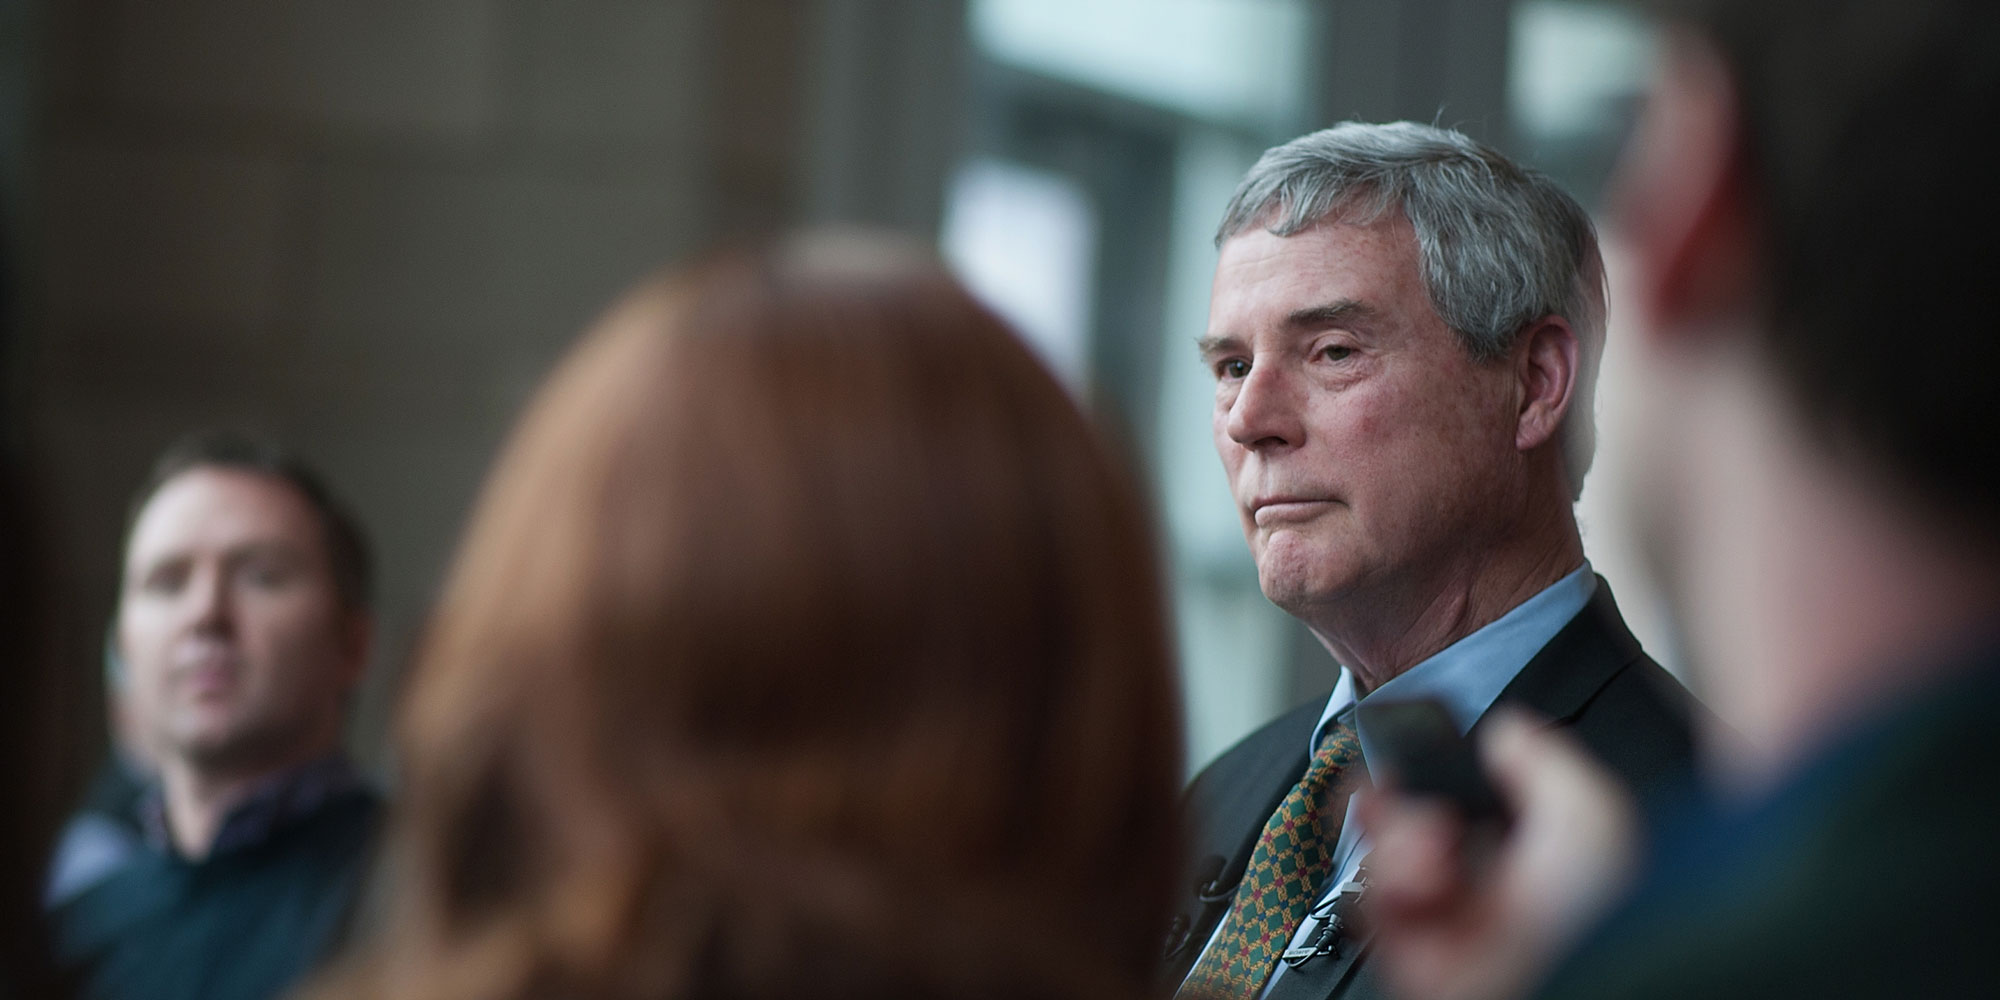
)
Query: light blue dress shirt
[{"x": 1467, "y": 676}]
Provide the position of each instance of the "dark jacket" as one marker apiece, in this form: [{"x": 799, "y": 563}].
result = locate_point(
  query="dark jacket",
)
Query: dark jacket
[
  {"x": 1591, "y": 677},
  {"x": 242, "y": 925},
  {"x": 1871, "y": 873}
]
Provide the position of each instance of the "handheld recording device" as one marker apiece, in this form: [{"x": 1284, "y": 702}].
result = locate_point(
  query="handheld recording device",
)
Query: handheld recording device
[{"x": 1416, "y": 745}]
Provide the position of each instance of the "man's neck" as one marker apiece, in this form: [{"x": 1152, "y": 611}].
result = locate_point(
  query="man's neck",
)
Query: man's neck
[
  {"x": 199, "y": 799},
  {"x": 1380, "y": 635}
]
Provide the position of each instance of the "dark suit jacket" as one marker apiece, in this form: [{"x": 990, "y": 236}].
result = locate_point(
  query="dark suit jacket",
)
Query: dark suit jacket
[
  {"x": 1592, "y": 677},
  {"x": 1874, "y": 872},
  {"x": 242, "y": 925}
]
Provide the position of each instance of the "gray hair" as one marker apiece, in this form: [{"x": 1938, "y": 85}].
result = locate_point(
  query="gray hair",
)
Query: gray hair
[{"x": 1499, "y": 246}]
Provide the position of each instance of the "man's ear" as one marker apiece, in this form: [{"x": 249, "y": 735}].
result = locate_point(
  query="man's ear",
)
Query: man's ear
[
  {"x": 1547, "y": 371},
  {"x": 1681, "y": 197}
]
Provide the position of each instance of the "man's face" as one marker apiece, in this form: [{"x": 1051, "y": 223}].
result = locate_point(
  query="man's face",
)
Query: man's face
[
  {"x": 1367, "y": 452},
  {"x": 232, "y": 630}
]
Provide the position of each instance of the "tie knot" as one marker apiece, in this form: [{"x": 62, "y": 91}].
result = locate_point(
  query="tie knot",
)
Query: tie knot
[{"x": 1338, "y": 755}]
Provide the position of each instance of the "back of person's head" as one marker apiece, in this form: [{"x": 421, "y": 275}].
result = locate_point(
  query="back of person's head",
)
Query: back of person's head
[
  {"x": 1859, "y": 125},
  {"x": 1500, "y": 246},
  {"x": 806, "y": 642}
]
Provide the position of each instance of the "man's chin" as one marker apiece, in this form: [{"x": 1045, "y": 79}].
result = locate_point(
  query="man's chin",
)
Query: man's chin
[
  {"x": 1295, "y": 569},
  {"x": 1295, "y": 592},
  {"x": 221, "y": 748}
]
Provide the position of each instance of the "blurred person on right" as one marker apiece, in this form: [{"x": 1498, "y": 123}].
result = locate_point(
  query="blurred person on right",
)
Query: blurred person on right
[
  {"x": 805, "y": 643},
  {"x": 1812, "y": 233}
]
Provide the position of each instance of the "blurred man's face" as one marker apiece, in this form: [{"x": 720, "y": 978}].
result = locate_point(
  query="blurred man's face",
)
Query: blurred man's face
[
  {"x": 1366, "y": 450},
  {"x": 232, "y": 630}
]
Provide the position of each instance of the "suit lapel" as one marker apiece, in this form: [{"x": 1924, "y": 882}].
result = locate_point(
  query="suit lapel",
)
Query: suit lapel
[{"x": 1577, "y": 663}]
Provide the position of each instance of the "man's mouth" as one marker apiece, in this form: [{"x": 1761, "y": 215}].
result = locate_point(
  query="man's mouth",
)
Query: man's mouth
[
  {"x": 1269, "y": 512},
  {"x": 207, "y": 681},
  {"x": 209, "y": 676}
]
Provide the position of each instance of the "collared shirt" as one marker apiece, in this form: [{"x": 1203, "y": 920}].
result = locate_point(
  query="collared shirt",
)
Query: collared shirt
[
  {"x": 1467, "y": 676},
  {"x": 274, "y": 804}
]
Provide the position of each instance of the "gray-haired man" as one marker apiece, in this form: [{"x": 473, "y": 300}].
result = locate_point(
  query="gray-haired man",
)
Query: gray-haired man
[{"x": 1404, "y": 333}]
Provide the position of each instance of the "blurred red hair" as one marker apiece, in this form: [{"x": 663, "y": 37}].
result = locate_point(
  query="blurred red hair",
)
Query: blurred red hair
[{"x": 806, "y": 642}]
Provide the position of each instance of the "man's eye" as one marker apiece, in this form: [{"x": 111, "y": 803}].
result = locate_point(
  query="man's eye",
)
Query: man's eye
[
  {"x": 1337, "y": 352},
  {"x": 163, "y": 581},
  {"x": 267, "y": 576},
  {"x": 1233, "y": 368}
]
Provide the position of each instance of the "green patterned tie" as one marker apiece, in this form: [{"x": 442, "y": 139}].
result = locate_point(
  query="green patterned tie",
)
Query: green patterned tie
[{"x": 1290, "y": 863}]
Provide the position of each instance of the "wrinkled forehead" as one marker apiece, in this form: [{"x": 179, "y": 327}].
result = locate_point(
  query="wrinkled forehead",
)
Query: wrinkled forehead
[
  {"x": 1259, "y": 271},
  {"x": 217, "y": 509}
]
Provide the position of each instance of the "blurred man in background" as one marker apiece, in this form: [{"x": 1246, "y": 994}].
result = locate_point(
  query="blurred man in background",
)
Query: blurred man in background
[
  {"x": 1812, "y": 239},
  {"x": 1404, "y": 332},
  {"x": 243, "y": 623}
]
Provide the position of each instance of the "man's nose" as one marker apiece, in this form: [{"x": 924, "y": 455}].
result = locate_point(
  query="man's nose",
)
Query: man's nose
[
  {"x": 1265, "y": 412},
  {"x": 212, "y": 602}
]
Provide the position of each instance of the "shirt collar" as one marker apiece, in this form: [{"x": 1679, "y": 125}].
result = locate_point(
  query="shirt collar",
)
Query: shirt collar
[
  {"x": 274, "y": 804},
  {"x": 1468, "y": 675}
]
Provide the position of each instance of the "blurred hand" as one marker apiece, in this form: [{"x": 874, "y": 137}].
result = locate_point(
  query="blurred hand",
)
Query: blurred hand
[{"x": 1453, "y": 924}]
